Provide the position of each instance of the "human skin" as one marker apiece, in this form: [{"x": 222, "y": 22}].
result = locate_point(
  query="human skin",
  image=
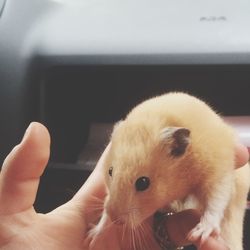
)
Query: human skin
[{"x": 21, "y": 227}]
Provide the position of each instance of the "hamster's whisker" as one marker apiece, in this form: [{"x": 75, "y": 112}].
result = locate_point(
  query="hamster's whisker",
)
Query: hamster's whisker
[
  {"x": 96, "y": 199},
  {"x": 124, "y": 229},
  {"x": 141, "y": 235},
  {"x": 140, "y": 238},
  {"x": 130, "y": 238},
  {"x": 132, "y": 231},
  {"x": 134, "y": 239},
  {"x": 145, "y": 236},
  {"x": 107, "y": 227},
  {"x": 149, "y": 235},
  {"x": 95, "y": 204},
  {"x": 93, "y": 200}
]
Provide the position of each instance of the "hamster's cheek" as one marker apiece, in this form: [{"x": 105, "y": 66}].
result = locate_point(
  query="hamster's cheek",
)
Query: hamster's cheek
[{"x": 148, "y": 210}]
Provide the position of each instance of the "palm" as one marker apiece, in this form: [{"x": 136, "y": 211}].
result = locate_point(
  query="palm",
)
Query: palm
[
  {"x": 56, "y": 230},
  {"x": 20, "y": 226}
]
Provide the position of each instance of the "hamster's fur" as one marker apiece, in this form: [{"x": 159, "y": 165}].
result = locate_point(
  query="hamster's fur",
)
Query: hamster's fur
[{"x": 184, "y": 149}]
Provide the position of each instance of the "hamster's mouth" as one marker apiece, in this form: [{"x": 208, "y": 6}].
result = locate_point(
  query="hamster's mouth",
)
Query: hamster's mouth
[{"x": 134, "y": 221}]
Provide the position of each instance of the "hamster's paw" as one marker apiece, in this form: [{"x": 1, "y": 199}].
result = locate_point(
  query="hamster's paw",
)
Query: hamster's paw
[{"x": 202, "y": 231}]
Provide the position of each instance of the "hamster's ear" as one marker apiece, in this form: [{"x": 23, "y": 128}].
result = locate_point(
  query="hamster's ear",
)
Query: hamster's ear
[{"x": 177, "y": 139}]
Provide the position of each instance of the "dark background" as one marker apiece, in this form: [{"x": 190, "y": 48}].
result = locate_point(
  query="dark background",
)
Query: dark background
[{"x": 72, "y": 98}]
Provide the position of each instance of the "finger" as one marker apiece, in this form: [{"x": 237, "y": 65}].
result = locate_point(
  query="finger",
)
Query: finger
[
  {"x": 22, "y": 169},
  {"x": 180, "y": 224},
  {"x": 241, "y": 155},
  {"x": 212, "y": 244}
]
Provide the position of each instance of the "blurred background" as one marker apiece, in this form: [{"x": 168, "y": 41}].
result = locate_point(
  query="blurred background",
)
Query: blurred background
[{"x": 79, "y": 66}]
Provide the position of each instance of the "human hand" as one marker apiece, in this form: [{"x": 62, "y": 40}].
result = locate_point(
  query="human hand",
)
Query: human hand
[{"x": 20, "y": 226}]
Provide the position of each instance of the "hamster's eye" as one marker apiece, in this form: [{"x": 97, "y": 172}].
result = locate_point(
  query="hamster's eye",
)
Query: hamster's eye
[
  {"x": 142, "y": 183},
  {"x": 110, "y": 171}
]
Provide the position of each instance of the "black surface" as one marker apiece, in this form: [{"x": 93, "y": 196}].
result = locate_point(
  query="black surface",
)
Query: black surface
[
  {"x": 72, "y": 97},
  {"x": 57, "y": 186}
]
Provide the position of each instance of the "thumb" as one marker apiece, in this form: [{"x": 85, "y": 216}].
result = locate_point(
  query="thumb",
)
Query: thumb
[{"x": 21, "y": 171}]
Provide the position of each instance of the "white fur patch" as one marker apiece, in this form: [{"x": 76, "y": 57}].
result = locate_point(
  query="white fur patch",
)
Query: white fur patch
[{"x": 217, "y": 202}]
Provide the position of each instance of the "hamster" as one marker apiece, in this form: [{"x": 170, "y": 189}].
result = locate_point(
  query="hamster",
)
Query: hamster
[{"x": 170, "y": 148}]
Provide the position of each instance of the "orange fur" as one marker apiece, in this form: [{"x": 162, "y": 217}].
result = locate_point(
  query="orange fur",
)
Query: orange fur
[{"x": 138, "y": 150}]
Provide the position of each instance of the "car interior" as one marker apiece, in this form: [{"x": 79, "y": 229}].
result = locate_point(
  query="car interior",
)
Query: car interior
[{"x": 79, "y": 67}]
